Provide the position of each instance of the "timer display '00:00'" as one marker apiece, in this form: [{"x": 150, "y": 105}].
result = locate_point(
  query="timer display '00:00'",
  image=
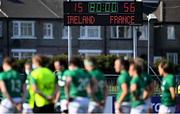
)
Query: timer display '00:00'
[{"x": 103, "y": 7}]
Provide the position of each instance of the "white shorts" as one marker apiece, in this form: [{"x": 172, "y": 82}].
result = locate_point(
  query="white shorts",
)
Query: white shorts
[
  {"x": 167, "y": 110},
  {"x": 125, "y": 107},
  {"x": 7, "y": 107},
  {"x": 78, "y": 105},
  {"x": 27, "y": 109},
  {"x": 63, "y": 104},
  {"x": 94, "y": 108},
  {"x": 137, "y": 110}
]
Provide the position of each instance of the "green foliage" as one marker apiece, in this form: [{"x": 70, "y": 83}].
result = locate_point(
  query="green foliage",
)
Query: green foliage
[
  {"x": 104, "y": 62},
  {"x": 20, "y": 64}
]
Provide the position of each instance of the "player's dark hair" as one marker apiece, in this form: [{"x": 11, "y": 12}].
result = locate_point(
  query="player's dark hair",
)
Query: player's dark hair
[
  {"x": 76, "y": 61},
  {"x": 124, "y": 62},
  {"x": 167, "y": 66},
  {"x": 137, "y": 67},
  {"x": 61, "y": 62},
  {"x": 10, "y": 61}
]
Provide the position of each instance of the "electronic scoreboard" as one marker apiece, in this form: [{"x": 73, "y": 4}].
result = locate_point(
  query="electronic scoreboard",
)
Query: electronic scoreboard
[{"x": 102, "y": 13}]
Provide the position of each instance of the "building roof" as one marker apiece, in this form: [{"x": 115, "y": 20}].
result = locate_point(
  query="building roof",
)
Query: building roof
[
  {"x": 171, "y": 10},
  {"x": 29, "y": 9}
]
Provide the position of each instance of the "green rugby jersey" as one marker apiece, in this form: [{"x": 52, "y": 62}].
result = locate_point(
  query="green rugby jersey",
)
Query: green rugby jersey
[
  {"x": 139, "y": 92},
  {"x": 101, "y": 80},
  {"x": 13, "y": 83},
  {"x": 123, "y": 78},
  {"x": 167, "y": 82},
  {"x": 80, "y": 81},
  {"x": 61, "y": 79}
]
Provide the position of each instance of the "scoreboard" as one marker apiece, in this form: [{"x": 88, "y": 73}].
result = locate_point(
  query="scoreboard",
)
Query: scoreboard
[{"x": 102, "y": 13}]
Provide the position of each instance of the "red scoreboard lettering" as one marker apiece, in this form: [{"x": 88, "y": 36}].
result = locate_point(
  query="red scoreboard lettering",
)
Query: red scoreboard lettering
[{"x": 78, "y": 7}]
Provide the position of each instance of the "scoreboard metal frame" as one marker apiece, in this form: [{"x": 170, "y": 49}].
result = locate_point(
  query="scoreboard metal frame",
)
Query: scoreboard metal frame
[{"x": 102, "y": 13}]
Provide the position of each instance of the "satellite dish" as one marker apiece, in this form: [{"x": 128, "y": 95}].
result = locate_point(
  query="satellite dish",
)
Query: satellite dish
[{"x": 149, "y": 6}]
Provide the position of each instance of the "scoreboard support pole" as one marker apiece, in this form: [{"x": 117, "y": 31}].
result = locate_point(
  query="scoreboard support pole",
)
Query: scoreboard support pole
[
  {"x": 69, "y": 43},
  {"x": 134, "y": 42},
  {"x": 151, "y": 17}
]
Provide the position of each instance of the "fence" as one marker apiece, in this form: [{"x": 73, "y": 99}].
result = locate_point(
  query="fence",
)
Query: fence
[{"x": 112, "y": 84}]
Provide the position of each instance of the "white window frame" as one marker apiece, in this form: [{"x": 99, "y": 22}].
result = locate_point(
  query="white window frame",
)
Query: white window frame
[
  {"x": 20, "y": 51},
  {"x": 171, "y": 34},
  {"x": 127, "y": 53},
  {"x": 175, "y": 57},
  {"x": 89, "y": 52},
  {"x": 20, "y": 36},
  {"x": 45, "y": 26},
  {"x": 63, "y": 32},
  {"x": 86, "y": 37},
  {"x": 144, "y": 32},
  {"x": 117, "y": 32}
]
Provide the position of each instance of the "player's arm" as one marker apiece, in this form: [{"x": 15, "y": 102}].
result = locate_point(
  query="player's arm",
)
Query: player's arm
[
  {"x": 145, "y": 94},
  {"x": 91, "y": 87},
  {"x": 171, "y": 86},
  {"x": 57, "y": 94},
  {"x": 173, "y": 93},
  {"x": 24, "y": 87},
  {"x": 24, "y": 91},
  {"x": 124, "y": 93},
  {"x": 67, "y": 86},
  {"x": 5, "y": 92},
  {"x": 35, "y": 88},
  {"x": 133, "y": 91}
]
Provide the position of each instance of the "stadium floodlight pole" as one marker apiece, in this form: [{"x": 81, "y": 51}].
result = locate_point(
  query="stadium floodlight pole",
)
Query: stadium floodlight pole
[
  {"x": 69, "y": 42},
  {"x": 150, "y": 18}
]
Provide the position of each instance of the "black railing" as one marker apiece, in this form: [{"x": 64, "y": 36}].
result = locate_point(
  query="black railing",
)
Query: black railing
[{"x": 112, "y": 84}]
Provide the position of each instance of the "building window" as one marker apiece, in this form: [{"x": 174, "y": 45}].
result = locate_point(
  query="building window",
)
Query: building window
[
  {"x": 173, "y": 57},
  {"x": 23, "y": 30},
  {"x": 171, "y": 33},
  {"x": 90, "y": 32},
  {"x": 65, "y": 32},
  {"x": 23, "y": 53},
  {"x": 1, "y": 29},
  {"x": 48, "y": 30},
  {"x": 121, "y": 32},
  {"x": 127, "y": 53},
  {"x": 87, "y": 52},
  {"x": 144, "y": 32}
]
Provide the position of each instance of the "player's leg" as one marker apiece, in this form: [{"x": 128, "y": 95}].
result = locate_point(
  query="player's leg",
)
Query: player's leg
[
  {"x": 137, "y": 110},
  {"x": 27, "y": 109},
  {"x": 163, "y": 109},
  {"x": 73, "y": 107},
  {"x": 125, "y": 107},
  {"x": 148, "y": 106},
  {"x": 95, "y": 108},
  {"x": 64, "y": 108},
  {"x": 84, "y": 104},
  {"x": 6, "y": 107}
]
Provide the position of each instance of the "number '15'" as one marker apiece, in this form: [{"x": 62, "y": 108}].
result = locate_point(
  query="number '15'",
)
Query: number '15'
[
  {"x": 78, "y": 7},
  {"x": 129, "y": 7}
]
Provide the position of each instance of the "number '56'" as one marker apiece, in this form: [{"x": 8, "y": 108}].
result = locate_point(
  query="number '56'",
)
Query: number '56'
[{"x": 129, "y": 7}]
